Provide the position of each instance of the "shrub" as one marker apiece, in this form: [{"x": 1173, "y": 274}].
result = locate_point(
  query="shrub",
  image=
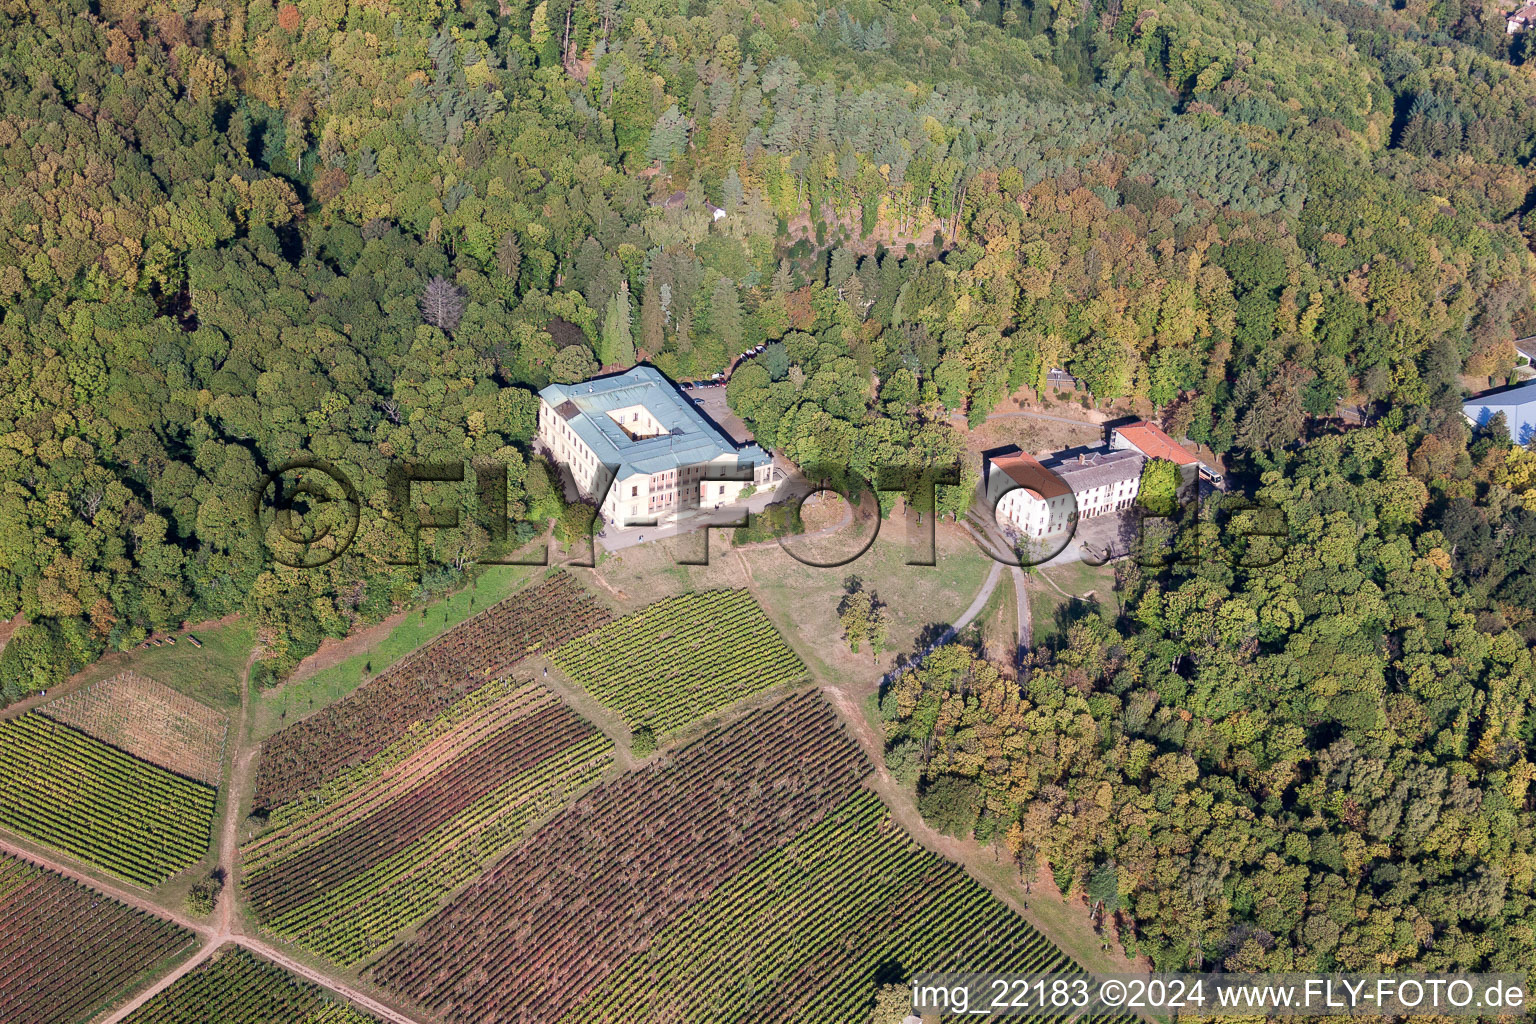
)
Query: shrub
[
  {"x": 951, "y": 804},
  {"x": 643, "y": 741},
  {"x": 203, "y": 897}
]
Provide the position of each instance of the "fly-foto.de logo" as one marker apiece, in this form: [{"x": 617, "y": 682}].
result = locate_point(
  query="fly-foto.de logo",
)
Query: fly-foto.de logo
[{"x": 309, "y": 512}]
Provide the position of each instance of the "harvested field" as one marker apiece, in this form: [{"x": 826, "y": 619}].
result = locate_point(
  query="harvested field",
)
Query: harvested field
[{"x": 152, "y": 722}]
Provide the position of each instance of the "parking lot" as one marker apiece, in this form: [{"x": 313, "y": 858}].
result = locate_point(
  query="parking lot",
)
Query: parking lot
[{"x": 711, "y": 402}]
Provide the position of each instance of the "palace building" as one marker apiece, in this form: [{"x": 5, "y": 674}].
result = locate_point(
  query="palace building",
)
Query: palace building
[{"x": 664, "y": 458}]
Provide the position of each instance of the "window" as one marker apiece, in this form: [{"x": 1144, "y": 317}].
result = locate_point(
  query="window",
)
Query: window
[
  {"x": 722, "y": 488},
  {"x": 634, "y": 492}
]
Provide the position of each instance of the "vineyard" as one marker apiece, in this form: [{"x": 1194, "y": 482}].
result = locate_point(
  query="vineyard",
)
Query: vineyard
[
  {"x": 681, "y": 659},
  {"x": 235, "y": 986},
  {"x": 421, "y": 686},
  {"x": 65, "y": 950},
  {"x": 344, "y": 869},
  {"x": 801, "y": 933},
  {"x": 596, "y": 885},
  {"x": 76, "y": 794},
  {"x": 148, "y": 720}
]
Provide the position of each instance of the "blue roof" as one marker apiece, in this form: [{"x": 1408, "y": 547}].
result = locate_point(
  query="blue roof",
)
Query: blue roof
[
  {"x": 692, "y": 439},
  {"x": 1518, "y": 405}
]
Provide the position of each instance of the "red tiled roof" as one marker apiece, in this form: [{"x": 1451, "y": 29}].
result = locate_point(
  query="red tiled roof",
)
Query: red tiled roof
[
  {"x": 1027, "y": 472},
  {"x": 1154, "y": 443}
]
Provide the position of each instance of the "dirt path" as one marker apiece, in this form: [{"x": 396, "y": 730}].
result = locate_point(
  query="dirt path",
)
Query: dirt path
[
  {"x": 1025, "y": 629},
  {"x": 334, "y": 652},
  {"x": 227, "y": 926},
  {"x": 1065, "y": 922},
  {"x": 165, "y": 981},
  {"x": 609, "y": 722},
  {"x": 136, "y": 900},
  {"x": 238, "y": 786},
  {"x": 1061, "y": 920},
  {"x": 356, "y": 997},
  {"x": 952, "y": 630},
  {"x": 213, "y": 937}
]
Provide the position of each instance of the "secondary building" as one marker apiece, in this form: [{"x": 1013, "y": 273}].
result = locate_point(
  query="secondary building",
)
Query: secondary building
[
  {"x": 1153, "y": 442},
  {"x": 1040, "y": 499},
  {"x": 1028, "y": 496},
  {"x": 1518, "y": 405},
  {"x": 1101, "y": 481},
  {"x": 637, "y": 444}
]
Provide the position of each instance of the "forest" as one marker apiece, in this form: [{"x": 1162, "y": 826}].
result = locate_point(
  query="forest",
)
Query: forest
[
  {"x": 1319, "y": 764},
  {"x": 233, "y": 234}
]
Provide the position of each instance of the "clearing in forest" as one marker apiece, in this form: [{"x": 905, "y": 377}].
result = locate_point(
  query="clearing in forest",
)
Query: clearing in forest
[
  {"x": 343, "y": 869},
  {"x": 76, "y": 794},
  {"x": 746, "y": 877},
  {"x": 417, "y": 688},
  {"x": 812, "y": 923},
  {"x": 681, "y": 659},
  {"x": 68, "y": 949},
  {"x": 565, "y": 907},
  {"x": 151, "y": 721}
]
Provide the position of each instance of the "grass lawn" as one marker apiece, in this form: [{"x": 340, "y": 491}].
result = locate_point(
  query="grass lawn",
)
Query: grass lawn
[
  {"x": 272, "y": 709},
  {"x": 999, "y": 622},
  {"x": 210, "y": 673},
  {"x": 1046, "y": 604},
  {"x": 802, "y": 600}
]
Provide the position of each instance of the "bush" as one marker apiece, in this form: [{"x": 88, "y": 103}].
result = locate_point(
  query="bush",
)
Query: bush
[
  {"x": 905, "y": 760},
  {"x": 781, "y": 519},
  {"x": 203, "y": 897},
  {"x": 952, "y": 805},
  {"x": 643, "y": 741}
]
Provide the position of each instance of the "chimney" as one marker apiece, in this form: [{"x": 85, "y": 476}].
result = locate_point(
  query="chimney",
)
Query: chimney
[{"x": 1082, "y": 457}]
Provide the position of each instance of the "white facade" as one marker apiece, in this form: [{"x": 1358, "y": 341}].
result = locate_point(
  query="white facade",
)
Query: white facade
[
  {"x": 1110, "y": 497},
  {"x": 1033, "y": 515},
  {"x": 1041, "y": 500}
]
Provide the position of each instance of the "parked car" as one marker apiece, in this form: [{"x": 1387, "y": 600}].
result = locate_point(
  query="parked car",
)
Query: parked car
[{"x": 687, "y": 385}]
